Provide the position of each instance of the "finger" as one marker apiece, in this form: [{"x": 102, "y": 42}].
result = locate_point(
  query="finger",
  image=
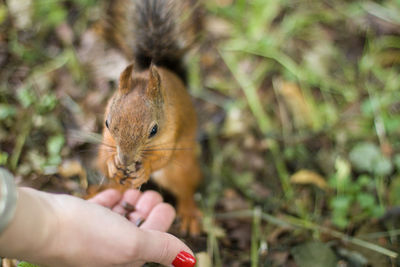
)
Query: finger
[
  {"x": 144, "y": 205},
  {"x": 128, "y": 201},
  {"x": 131, "y": 196},
  {"x": 108, "y": 198},
  {"x": 164, "y": 248},
  {"x": 160, "y": 218}
]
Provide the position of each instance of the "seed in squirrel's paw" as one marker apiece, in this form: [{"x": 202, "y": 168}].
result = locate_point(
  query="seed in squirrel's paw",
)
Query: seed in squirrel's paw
[
  {"x": 127, "y": 206},
  {"x": 139, "y": 222}
]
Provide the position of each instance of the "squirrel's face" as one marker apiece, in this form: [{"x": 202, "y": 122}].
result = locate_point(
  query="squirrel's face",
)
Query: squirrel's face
[{"x": 134, "y": 116}]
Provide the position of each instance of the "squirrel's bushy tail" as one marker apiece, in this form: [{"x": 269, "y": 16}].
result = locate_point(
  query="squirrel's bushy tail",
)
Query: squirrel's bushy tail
[
  {"x": 154, "y": 31},
  {"x": 164, "y": 30}
]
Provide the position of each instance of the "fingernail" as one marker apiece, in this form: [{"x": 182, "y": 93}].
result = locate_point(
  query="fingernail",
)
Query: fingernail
[{"x": 184, "y": 259}]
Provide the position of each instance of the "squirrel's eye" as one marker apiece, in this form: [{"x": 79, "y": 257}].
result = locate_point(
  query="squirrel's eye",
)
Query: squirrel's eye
[
  {"x": 153, "y": 131},
  {"x": 107, "y": 124}
]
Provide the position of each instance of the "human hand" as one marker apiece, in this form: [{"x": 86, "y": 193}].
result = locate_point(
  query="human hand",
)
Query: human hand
[
  {"x": 110, "y": 239},
  {"x": 146, "y": 210},
  {"x": 93, "y": 233}
]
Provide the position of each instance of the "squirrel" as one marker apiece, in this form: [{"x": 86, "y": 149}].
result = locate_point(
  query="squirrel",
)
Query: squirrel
[{"x": 150, "y": 121}]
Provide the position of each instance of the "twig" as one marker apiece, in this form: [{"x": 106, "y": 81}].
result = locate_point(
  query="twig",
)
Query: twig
[
  {"x": 255, "y": 239},
  {"x": 25, "y": 128}
]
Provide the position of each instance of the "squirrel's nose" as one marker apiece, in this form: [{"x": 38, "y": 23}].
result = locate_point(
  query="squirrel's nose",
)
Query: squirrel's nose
[
  {"x": 135, "y": 166},
  {"x": 128, "y": 162},
  {"x": 123, "y": 159}
]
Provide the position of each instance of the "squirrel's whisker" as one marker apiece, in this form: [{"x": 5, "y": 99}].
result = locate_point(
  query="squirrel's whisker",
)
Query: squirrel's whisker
[
  {"x": 93, "y": 149},
  {"x": 166, "y": 149},
  {"x": 107, "y": 145},
  {"x": 103, "y": 179},
  {"x": 160, "y": 145},
  {"x": 107, "y": 150}
]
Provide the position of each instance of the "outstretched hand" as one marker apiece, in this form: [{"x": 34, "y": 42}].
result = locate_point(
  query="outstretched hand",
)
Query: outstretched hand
[
  {"x": 105, "y": 238},
  {"x": 146, "y": 210},
  {"x": 61, "y": 230}
]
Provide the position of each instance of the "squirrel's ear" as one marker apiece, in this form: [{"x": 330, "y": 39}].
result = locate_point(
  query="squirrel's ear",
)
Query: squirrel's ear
[
  {"x": 125, "y": 80},
  {"x": 154, "y": 87}
]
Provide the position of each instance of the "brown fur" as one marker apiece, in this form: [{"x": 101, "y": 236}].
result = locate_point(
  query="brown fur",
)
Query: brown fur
[{"x": 153, "y": 96}]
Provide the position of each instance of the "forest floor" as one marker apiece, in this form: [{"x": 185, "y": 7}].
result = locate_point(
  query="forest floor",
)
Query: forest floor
[{"x": 299, "y": 110}]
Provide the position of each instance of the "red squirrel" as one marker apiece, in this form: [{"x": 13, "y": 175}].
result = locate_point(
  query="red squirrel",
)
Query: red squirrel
[{"x": 150, "y": 121}]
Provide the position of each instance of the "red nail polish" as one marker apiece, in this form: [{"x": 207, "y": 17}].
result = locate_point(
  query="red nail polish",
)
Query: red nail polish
[{"x": 184, "y": 259}]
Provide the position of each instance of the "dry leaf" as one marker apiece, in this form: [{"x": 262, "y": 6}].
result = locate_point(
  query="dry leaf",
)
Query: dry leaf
[
  {"x": 70, "y": 168},
  {"x": 219, "y": 27},
  {"x": 9, "y": 263},
  {"x": 309, "y": 177},
  {"x": 21, "y": 12},
  {"x": 296, "y": 103}
]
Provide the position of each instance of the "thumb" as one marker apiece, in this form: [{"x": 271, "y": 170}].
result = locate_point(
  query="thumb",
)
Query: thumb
[{"x": 165, "y": 249}]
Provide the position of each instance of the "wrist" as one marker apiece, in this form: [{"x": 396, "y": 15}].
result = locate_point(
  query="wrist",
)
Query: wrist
[
  {"x": 8, "y": 198},
  {"x": 32, "y": 228}
]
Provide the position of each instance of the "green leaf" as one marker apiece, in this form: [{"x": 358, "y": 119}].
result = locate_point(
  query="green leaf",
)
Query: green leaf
[
  {"x": 55, "y": 144},
  {"x": 364, "y": 180},
  {"x": 340, "y": 220},
  {"x": 366, "y": 200},
  {"x": 382, "y": 166},
  {"x": 367, "y": 108},
  {"x": 25, "y": 97},
  {"x": 54, "y": 160},
  {"x": 377, "y": 211},
  {"x": 51, "y": 12},
  {"x": 3, "y": 13},
  {"x": 47, "y": 103},
  {"x": 341, "y": 203},
  {"x": 368, "y": 157},
  {"x": 7, "y": 111},
  {"x": 394, "y": 193},
  {"x": 3, "y": 158},
  {"x": 314, "y": 254},
  {"x": 392, "y": 123},
  {"x": 363, "y": 155},
  {"x": 340, "y": 210},
  {"x": 26, "y": 264},
  {"x": 244, "y": 179}
]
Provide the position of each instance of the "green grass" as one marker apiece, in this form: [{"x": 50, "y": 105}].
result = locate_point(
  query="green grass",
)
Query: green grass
[{"x": 336, "y": 55}]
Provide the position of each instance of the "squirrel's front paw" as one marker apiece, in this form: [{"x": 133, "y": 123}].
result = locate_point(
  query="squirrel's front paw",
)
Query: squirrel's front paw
[
  {"x": 114, "y": 171},
  {"x": 124, "y": 176},
  {"x": 190, "y": 217},
  {"x": 136, "y": 179}
]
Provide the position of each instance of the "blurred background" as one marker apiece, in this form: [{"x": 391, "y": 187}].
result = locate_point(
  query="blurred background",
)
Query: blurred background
[{"x": 299, "y": 105}]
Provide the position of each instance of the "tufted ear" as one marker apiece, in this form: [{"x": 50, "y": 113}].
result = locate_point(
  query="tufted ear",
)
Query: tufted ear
[
  {"x": 125, "y": 80},
  {"x": 153, "y": 89}
]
